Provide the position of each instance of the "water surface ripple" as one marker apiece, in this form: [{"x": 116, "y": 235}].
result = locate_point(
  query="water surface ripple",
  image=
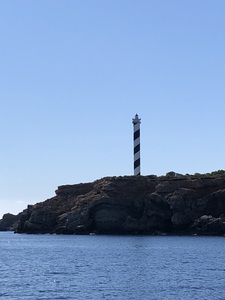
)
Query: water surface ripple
[{"x": 111, "y": 267}]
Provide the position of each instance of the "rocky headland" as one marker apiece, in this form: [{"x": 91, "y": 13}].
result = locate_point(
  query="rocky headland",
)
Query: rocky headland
[{"x": 171, "y": 204}]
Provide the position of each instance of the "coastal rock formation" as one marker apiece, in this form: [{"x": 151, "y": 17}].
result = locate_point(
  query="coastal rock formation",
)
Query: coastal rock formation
[
  {"x": 130, "y": 205},
  {"x": 9, "y": 222}
]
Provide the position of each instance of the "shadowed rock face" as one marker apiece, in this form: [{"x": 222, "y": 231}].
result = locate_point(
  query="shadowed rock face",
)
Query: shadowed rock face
[
  {"x": 9, "y": 222},
  {"x": 130, "y": 205}
]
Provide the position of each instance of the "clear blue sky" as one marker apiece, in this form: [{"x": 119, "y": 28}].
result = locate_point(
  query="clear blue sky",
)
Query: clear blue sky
[{"x": 74, "y": 73}]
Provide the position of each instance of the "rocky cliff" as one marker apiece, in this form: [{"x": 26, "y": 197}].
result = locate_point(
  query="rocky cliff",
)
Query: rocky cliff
[{"x": 129, "y": 205}]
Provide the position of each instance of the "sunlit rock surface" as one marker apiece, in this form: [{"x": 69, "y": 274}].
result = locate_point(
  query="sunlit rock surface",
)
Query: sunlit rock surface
[{"x": 129, "y": 205}]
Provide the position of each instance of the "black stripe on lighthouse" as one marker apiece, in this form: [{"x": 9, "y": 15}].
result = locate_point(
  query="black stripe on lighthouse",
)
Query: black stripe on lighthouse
[
  {"x": 137, "y": 160},
  {"x": 136, "y": 148},
  {"x": 137, "y": 164},
  {"x": 136, "y": 134}
]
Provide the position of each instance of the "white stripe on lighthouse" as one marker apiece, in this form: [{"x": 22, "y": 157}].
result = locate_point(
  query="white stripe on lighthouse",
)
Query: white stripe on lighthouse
[
  {"x": 136, "y": 142},
  {"x": 137, "y": 161}
]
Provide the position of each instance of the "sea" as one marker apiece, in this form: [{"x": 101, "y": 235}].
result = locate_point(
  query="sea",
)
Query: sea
[{"x": 111, "y": 267}]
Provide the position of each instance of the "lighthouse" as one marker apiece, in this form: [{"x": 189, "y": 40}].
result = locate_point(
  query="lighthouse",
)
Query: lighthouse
[{"x": 137, "y": 160}]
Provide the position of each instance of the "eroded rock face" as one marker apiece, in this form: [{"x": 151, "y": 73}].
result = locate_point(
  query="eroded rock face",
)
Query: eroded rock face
[
  {"x": 9, "y": 222},
  {"x": 209, "y": 225},
  {"x": 130, "y": 205}
]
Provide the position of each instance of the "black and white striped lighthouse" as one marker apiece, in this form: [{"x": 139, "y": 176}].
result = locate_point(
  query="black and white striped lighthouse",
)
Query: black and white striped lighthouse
[{"x": 137, "y": 160}]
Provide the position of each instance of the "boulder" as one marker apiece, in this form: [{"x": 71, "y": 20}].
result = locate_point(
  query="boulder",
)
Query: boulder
[{"x": 209, "y": 225}]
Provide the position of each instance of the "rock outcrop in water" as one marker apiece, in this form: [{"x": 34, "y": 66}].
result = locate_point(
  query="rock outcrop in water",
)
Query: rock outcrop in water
[
  {"x": 130, "y": 205},
  {"x": 9, "y": 222}
]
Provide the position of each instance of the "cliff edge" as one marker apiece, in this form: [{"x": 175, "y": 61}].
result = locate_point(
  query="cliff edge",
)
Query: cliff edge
[{"x": 129, "y": 205}]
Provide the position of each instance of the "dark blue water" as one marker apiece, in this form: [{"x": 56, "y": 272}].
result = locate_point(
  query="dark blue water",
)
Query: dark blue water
[{"x": 111, "y": 267}]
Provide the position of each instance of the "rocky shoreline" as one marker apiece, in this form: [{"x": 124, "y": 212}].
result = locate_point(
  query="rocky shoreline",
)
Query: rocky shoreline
[{"x": 170, "y": 204}]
